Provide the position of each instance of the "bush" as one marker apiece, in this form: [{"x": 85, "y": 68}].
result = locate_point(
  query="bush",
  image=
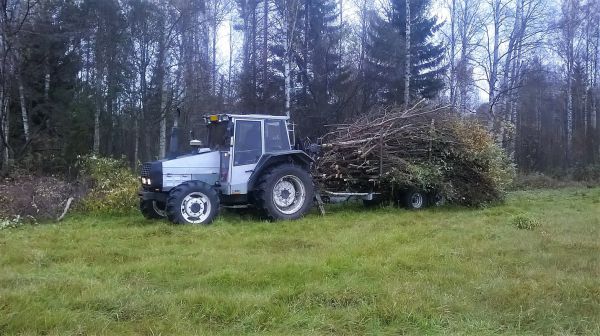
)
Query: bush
[
  {"x": 524, "y": 222},
  {"x": 589, "y": 173},
  {"x": 113, "y": 187}
]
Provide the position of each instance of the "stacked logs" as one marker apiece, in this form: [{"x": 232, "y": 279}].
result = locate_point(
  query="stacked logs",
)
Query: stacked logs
[{"x": 423, "y": 147}]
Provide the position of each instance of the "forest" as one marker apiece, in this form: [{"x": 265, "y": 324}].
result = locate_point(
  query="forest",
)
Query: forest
[{"x": 109, "y": 77}]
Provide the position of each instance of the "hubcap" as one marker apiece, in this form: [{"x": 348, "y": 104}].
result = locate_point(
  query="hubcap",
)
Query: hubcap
[
  {"x": 289, "y": 194},
  {"x": 417, "y": 200},
  {"x": 195, "y": 208}
]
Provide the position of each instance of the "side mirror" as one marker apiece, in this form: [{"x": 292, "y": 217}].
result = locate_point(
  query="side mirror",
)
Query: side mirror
[{"x": 196, "y": 143}]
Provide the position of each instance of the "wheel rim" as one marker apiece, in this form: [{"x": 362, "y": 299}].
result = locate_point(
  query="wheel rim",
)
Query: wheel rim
[
  {"x": 159, "y": 211},
  {"x": 416, "y": 200},
  {"x": 195, "y": 208},
  {"x": 289, "y": 194}
]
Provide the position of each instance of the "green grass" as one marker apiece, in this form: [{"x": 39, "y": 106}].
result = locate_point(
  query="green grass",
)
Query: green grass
[{"x": 388, "y": 271}]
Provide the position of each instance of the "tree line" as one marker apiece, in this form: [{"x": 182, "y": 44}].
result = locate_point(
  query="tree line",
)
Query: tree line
[{"x": 110, "y": 76}]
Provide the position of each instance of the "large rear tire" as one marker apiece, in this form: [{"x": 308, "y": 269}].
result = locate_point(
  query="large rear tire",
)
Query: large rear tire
[
  {"x": 285, "y": 192},
  {"x": 152, "y": 209},
  {"x": 193, "y": 202}
]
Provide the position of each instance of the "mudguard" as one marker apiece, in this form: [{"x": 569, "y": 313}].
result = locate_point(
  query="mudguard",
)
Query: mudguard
[{"x": 268, "y": 160}]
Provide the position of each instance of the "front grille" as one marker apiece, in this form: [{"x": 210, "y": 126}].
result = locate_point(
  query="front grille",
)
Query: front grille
[{"x": 146, "y": 170}]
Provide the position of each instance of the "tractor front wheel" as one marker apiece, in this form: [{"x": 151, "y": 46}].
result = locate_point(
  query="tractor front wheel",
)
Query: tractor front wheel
[
  {"x": 193, "y": 202},
  {"x": 152, "y": 209},
  {"x": 285, "y": 192}
]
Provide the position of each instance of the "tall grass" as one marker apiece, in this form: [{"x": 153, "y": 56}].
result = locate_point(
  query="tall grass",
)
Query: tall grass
[{"x": 388, "y": 271}]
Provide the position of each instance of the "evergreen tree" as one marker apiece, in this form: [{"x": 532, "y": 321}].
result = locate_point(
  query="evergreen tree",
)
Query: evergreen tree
[
  {"x": 318, "y": 58},
  {"x": 387, "y": 54}
]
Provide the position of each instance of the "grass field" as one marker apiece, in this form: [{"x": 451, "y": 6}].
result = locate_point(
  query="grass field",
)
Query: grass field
[{"x": 387, "y": 271}]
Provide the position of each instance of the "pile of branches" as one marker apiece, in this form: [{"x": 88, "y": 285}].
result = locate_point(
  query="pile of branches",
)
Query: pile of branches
[
  {"x": 430, "y": 148},
  {"x": 27, "y": 197}
]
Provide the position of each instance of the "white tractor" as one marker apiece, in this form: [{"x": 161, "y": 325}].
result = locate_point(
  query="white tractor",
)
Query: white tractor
[{"x": 248, "y": 160}]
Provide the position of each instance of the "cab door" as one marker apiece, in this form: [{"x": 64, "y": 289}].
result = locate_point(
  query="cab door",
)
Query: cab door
[{"x": 248, "y": 147}]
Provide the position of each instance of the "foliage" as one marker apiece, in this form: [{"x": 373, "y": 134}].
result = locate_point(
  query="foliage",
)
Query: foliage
[
  {"x": 587, "y": 173},
  {"x": 477, "y": 169},
  {"x": 387, "y": 55},
  {"x": 525, "y": 222},
  {"x": 444, "y": 271},
  {"x": 113, "y": 186}
]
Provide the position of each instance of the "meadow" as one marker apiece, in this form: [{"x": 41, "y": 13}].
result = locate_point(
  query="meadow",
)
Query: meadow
[{"x": 529, "y": 266}]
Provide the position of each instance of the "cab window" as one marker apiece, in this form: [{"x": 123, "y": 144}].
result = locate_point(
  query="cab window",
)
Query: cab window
[
  {"x": 248, "y": 142},
  {"x": 276, "y": 136}
]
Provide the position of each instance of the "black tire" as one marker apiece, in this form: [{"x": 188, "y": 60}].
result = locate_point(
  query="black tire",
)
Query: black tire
[
  {"x": 193, "y": 202},
  {"x": 271, "y": 206},
  {"x": 151, "y": 209},
  {"x": 437, "y": 199},
  {"x": 414, "y": 199}
]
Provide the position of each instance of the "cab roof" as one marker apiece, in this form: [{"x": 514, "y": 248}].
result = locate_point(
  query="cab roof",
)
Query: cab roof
[{"x": 252, "y": 116}]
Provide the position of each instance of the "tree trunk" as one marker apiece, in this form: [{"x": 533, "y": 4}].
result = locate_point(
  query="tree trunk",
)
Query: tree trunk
[
  {"x": 5, "y": 132},
  {"x": 289, "y": 26},
  {"x": 162, "y": 140},
  {"x": 136, "y": 141},
  {"x": 408, "y": 63},
  {"x": 265, "y": 54},
  {"x": 452, "y": 54},
  {"x": 495, "y": 122},
  {"x": 230, "y": 70},
  {"x": 97, "y": 111},
  {"x": 24, "y": 116}
]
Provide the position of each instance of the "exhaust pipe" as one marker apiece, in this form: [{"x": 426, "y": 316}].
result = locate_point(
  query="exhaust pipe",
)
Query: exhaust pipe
[{"x": 174, "y": 145}]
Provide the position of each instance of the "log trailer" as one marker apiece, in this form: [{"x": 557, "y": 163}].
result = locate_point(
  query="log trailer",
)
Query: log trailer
[{"x": 247, "y": 161}]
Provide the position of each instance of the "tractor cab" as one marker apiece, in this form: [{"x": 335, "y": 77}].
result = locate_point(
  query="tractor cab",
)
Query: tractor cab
[
  {"x": 241, "y": 141},
  {"x": 235, "y": 167}
]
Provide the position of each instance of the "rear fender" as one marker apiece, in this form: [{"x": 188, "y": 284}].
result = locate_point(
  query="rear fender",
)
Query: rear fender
[{"x": 269, "y": 160}]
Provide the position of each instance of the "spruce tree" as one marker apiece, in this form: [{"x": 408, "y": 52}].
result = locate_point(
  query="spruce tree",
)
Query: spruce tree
[
  {"x": 318, "y": 58},
  {"x": 385, "y": 70}
]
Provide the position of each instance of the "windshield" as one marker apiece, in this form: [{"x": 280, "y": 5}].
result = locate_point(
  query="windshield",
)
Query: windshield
[{"x": 218, "y": 136}]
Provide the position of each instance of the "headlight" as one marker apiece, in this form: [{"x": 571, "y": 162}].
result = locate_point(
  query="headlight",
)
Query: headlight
[
  {"x": 148, "y": 181},
  {"x": 143, "y": 180}
]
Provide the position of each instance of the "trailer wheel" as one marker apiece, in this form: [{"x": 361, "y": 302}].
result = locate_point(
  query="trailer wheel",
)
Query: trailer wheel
[
  {"x": 193, "y": 202},
  {"x": 152, "y": 209},
  {"x": 415, "y": 199},
  {"x": 437, "y": 199},
  {"x": 284, "y": 192}
]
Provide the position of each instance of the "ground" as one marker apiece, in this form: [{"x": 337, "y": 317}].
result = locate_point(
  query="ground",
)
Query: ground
[{"x": 386, "y": 271}]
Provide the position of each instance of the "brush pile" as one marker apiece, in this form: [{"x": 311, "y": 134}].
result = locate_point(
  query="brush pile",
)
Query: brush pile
[{"x": 424, "y": 147}]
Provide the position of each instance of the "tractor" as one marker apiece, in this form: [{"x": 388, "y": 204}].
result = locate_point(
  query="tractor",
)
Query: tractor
[{"x": 248, "y": 161}]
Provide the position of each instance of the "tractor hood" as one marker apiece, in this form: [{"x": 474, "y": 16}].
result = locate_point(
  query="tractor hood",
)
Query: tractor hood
[{"x": 203, "y": 166}]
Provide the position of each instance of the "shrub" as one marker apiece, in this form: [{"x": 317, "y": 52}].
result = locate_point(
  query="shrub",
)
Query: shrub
[
  {"x": 524, "y": 222},
  {"x": 113, "y": 187},
  {"x": 589, "y": 173}
]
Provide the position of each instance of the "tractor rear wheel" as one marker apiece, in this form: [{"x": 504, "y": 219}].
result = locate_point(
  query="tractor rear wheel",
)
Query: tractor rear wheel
[
  {"x": 152, "y": 209},
  {"x": 285, "y": 192},
  {"x": 193, "y": 202}
]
